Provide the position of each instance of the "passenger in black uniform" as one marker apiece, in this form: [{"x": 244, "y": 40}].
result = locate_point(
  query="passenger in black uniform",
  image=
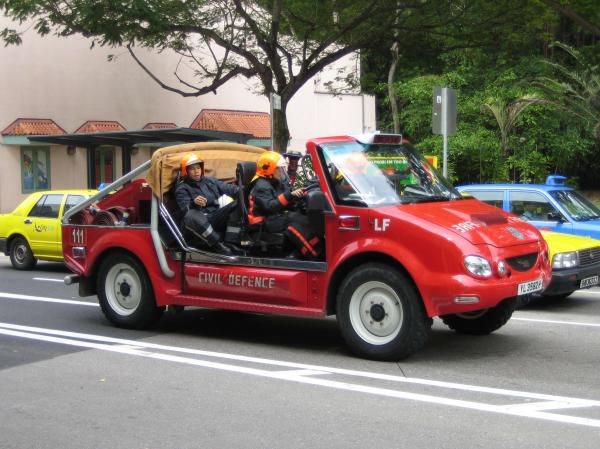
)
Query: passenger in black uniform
[
  {"x": 269, "y": 199},
  {"x": 198, "y": 197}
]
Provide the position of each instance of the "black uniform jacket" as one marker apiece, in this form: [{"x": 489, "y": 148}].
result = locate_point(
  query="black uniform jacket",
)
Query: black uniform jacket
[
  {"x": 209, "y": 187},
  {"x": 269, "y": 197}
]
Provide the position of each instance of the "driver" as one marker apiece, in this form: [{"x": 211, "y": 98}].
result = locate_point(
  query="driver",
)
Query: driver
[{"x": 269, "y": 200}]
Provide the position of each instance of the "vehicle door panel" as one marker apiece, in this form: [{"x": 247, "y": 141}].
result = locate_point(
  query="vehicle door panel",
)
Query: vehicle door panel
[
  {"x": 42, "y": 228},
  {"x": 534, "y": 207},
  {"x": 248, "y": 284}
]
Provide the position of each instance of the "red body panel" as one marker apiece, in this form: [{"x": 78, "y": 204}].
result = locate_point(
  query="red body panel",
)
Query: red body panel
[{"x": 429, "y": 241}]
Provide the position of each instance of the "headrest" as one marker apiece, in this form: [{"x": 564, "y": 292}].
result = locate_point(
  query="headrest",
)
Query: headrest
[{"x": 245, "y": 171}]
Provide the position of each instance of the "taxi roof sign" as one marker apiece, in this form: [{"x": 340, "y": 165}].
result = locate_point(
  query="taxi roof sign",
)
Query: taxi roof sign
[{"x": 556, "y": 180}]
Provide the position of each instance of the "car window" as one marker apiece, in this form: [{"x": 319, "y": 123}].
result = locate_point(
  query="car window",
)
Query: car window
[
  {"x": 47, "y": 206},
  {"x": 493, "y": 198},
  {"x": 530, "y": 205},
  {"x": 580, "y": 208},
  {"x": 73, "y": 200}
]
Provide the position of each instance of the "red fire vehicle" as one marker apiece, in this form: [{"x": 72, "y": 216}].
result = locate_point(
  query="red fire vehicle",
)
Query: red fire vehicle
[{"x": 401, "y": 247}]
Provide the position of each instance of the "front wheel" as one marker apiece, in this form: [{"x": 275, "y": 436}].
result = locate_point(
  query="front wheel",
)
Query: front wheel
[
  {"x": 481, "y": 322},
  {"x": 380, "y": 314},
  {"x": 21, "y": 256},
  {"x": 125, "y": 292}
]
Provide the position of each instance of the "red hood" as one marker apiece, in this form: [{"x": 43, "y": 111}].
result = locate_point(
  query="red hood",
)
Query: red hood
[{"x": 477, "y": 222}]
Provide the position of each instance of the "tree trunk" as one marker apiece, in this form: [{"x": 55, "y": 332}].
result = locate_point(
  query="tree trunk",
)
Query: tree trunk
[
  {"x": 392, "y": 91},
  {"x": 280, "y": 134}
]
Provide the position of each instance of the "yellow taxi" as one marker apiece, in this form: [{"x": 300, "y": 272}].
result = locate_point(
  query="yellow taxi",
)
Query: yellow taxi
[
  {"x": 575, "y": 263},
  {"x": 32, "y": 231}
]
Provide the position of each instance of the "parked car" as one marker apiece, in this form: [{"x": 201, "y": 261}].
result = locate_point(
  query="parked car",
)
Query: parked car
[
  {"x": 575, "y": 263},
  {"x": 32, "y": 230},
  {"x": 552, "y": 205}
]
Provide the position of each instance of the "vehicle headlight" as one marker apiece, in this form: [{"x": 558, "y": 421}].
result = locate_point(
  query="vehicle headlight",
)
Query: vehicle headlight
[
  {"x": 478, "y": 266},
  {"x": 565, "y": 260}
]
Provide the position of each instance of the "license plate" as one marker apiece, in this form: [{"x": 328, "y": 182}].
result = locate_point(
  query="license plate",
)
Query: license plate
[
  {"x": 588, "y": 282},
  {"x": 529, "y": 287}
]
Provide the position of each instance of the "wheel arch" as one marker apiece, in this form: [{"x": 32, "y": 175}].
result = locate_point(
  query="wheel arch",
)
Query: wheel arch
[
  {"x": 88, "y": 284},
  {"x": 12, "y": 237},
  {"x": 353, "y": 262}
]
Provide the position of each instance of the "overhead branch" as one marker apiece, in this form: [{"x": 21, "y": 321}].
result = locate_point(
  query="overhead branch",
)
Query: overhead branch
[
  {"x": 216, "y": 83},
  {"x": 579, "y": 20}
]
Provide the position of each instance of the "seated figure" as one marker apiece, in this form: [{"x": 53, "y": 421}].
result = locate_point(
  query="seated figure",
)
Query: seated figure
[
  {"x": 269, "y": 201},
  {"x": 198, "y": 199}
]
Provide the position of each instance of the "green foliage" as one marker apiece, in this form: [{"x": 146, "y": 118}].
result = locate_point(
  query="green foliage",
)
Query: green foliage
[{"x": 542, "y": 138}]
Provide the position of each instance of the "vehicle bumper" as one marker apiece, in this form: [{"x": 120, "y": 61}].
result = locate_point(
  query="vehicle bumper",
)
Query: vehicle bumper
[
  {"x": 567, "y": 281},
  {"x": 3, "y": 246},
  {"x": 485, "y": 293}
]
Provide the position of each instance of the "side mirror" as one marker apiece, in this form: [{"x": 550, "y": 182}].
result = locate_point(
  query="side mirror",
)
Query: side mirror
[{"x": 556, "y": 216}]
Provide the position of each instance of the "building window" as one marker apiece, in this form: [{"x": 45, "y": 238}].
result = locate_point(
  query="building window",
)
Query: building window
[
  {"x": 104, "y": 165},
  {"x": 35, "y": 169}
]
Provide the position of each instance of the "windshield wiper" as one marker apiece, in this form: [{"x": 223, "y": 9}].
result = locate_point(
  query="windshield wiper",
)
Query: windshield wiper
[{"x": 431, "y": 199}]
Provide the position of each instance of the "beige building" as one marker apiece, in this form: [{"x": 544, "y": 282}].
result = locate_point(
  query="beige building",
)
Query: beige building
[{"x": 63, "y": 87}]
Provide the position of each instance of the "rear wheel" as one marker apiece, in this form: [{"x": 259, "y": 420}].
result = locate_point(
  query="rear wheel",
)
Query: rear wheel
[
  {"x": 481, "y": 322},
  {"x": 125, "y": 292},
  {"x": 380, "y": 314},
  {"x": 21, "y": 256}
]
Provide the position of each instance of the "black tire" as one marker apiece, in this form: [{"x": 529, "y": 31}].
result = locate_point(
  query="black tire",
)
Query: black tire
[
  {"x": 380, "y": 314},
  {"x": 481, "y": 322},
  {"x": 21, "y": 256},
  {"x": 125, "y": 292}
]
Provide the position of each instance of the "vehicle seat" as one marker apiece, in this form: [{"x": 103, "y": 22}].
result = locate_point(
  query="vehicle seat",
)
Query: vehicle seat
[{"x": 253, "y": 235}]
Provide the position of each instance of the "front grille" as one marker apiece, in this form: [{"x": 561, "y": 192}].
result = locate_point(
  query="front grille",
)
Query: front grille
[
  {"x": 589, "y": 256},
  {"x": 522, "y": 263}
]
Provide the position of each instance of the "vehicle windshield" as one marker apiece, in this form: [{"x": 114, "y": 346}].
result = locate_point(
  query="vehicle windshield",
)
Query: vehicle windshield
[
  {"x": 576, "y": 205},
  {"x": 383, "y": 175}
]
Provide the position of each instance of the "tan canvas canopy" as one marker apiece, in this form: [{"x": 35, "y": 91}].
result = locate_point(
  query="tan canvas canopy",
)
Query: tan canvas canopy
[{"x": 220, "y": 160}]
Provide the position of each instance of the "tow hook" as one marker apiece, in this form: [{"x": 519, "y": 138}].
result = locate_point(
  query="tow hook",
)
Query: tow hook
[{"x": 71, "y": 279}]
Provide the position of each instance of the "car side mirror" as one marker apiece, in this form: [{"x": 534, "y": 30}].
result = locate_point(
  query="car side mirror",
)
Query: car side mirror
[{"x": 556, "y": 216}]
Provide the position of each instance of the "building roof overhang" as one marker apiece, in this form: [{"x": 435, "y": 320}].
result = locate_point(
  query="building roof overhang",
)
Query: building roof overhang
[{"x": 140, "y": 137}]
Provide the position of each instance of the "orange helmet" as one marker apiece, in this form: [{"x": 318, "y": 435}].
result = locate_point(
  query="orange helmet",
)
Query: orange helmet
[
  {"x": 190, "y": 159},
  {"x": 267, "y": 163}
]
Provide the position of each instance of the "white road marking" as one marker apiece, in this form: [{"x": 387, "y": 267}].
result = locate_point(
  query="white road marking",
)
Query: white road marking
[
  {"x": 49, "y": 279},
  {"x": 44, "y": 299},
  {"x": 571, "y": 323},
  {"x": 149, "y": 350},
  {"x": 94, "y": 304},
  {"x": 590, "y": 292}
]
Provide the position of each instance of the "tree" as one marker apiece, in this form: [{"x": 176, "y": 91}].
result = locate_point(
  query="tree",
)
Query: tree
[
  {"x": 575, "y": 87},
  {"x": 282, "y": 43},
  {"x": 506, "y": 115}
]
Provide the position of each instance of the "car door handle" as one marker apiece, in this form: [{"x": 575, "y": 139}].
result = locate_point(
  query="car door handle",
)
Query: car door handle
[{"x": 28, "y": 221}]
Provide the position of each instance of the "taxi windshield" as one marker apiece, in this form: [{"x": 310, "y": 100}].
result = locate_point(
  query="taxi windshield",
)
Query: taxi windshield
[
  {"x": 576, "y": 205},
  {"x": 382, "y": 175}
]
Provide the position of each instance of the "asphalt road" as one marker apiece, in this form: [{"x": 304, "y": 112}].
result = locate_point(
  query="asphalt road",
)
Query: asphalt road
[{"x": 215, "y": 379}]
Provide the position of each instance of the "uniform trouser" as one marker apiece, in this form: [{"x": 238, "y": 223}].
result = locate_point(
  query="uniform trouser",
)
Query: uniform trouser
[
  {"x": 207, "y": 225},
  {"x": 298, "y": 230}
]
